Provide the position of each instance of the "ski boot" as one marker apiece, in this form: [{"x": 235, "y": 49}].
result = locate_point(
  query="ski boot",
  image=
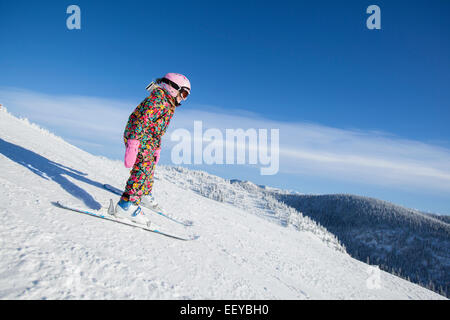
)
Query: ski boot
[
  {"x": 128, "y": 210},
  {"x": 149, "y": 201}
]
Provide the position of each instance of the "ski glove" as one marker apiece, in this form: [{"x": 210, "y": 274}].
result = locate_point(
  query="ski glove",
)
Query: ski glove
[
  {"x": 156, "y": 154},
  {"x": 131, "y": 152}
]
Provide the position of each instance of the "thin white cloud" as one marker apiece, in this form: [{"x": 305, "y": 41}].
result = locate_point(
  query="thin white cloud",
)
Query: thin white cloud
[
  {"x": 368, "y": 157},
  {"x": 90, "y": 122}
]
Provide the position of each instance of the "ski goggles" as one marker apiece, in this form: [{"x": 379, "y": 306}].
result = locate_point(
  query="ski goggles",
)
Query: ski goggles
[{"x": 183, "y": 91}]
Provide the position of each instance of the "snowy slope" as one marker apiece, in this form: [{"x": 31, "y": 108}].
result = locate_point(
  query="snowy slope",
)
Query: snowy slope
[{"x": 51, "y": 253}]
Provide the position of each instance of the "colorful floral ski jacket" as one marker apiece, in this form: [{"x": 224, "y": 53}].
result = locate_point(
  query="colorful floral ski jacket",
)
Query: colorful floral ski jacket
[{"x": 150, "y": 119}]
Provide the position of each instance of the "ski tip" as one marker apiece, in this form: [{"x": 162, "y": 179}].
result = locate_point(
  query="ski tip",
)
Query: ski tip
[
  {"x": 194, "y": 237},
  {"x": 57, "y": 204}
]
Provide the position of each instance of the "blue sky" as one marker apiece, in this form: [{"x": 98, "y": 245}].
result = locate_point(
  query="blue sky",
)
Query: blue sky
[{"x": 312, "y": 69}]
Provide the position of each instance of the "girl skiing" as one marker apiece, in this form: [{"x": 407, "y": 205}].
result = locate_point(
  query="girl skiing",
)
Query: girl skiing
[{"x": 142, "y": 137}]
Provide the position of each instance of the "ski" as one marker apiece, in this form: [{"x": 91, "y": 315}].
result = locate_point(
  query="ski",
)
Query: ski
[
  {"x": 99, "y": 214},
  {"x": 186, "y": 223}
]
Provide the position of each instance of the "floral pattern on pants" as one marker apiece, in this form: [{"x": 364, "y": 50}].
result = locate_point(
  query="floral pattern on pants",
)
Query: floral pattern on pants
[{"x": 140, "y": 181}]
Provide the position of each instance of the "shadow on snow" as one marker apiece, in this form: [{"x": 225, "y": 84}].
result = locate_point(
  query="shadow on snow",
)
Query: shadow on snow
[{"x": 51, "y": 170}]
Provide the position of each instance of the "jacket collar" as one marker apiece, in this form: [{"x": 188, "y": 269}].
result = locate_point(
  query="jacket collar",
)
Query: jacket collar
[{"x": 168, "y": 96}]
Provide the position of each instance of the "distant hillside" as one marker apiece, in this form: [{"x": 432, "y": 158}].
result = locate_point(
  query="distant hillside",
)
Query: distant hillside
[
  {"x": 406, "y": 242},
  {"x": 444, "y": 218}
]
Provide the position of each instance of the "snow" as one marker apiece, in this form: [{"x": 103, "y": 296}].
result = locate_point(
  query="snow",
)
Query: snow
[{"x": 51, "y": 253}]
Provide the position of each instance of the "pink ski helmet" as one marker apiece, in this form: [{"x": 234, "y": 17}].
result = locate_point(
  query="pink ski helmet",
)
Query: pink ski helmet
[{"x": 175, "y": 84}]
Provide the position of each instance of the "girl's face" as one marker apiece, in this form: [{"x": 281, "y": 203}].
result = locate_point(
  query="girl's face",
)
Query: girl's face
[
  {"x": 182, "y": 95},
  {"x": 179, "y": 99}
]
